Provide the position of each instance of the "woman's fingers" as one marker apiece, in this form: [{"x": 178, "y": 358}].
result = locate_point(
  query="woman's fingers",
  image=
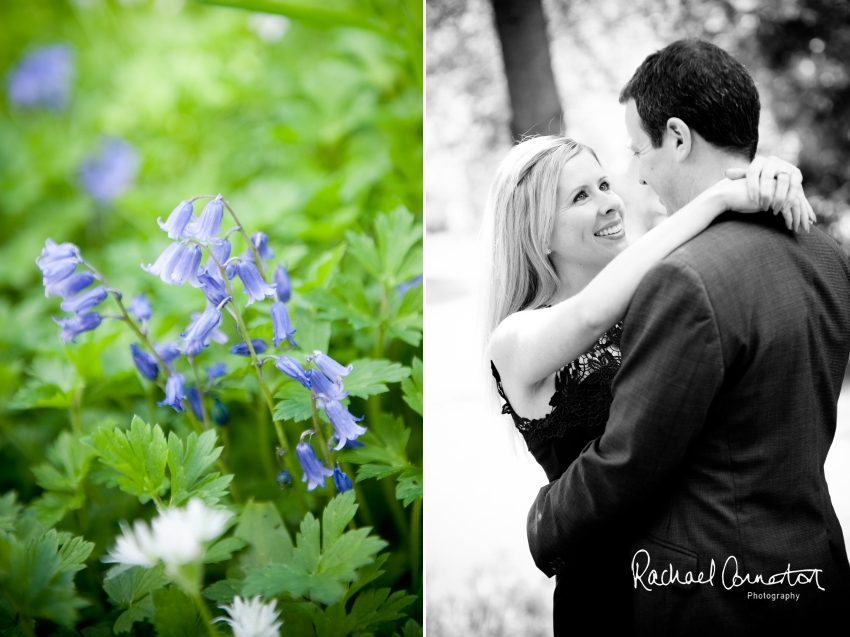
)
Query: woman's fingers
[
  {"x": 795, "y": 185},
  {"x": 753, "y": 179},
  {"x": 768, "y": 183},
  {"x": 735, "y": 173},
  {"x": 781, "y": 196}
]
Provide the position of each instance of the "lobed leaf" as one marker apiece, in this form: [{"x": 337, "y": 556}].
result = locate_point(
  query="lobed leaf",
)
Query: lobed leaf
[
  {"x": 412, "y": 387},
  {"x": 368, "y": 376}
]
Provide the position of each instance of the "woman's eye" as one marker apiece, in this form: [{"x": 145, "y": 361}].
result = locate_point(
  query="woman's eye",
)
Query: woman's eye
[
  {"x": 604, "y": 186},
  {"x": 581, "y": 195}
]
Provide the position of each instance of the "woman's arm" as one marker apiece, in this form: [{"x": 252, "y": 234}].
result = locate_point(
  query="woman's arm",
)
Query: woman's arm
[{"x": 529, "y": 346}]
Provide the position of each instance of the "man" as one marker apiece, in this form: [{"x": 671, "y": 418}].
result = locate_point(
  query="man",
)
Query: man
[{"x": 733, "y": 355}]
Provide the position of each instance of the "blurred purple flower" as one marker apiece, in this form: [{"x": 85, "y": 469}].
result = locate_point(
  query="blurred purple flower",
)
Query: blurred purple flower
[
  {"x": 53, "y": 252},
  {"x": 326, "y": 390},
  {"x": 329, "y": 366},
  {"x": 349, "y": 444},
  {"x": 144, "y": 362},
  {"x": 341, "y": 481},
  {"x": 208, "y": 224},
  {"x": 241, "y": 349},
  {"x": 76, "y": 325},
  {"x": 220, "y": 249},
  {"x": 110, "y": 173},
  {"x": 212, "y": 288},
  {"x": 177, "y": 221},
  {"x": 187, "y": 267},
  {"x": 281, "y": 325},
  {"x": 69, "y": 286},
  {"x": 56, "y": 272},
  {"x": 174, "y": 395},
  {"x": 200, "y": 331},
  {"x": 216, "y": 371},
  {"x": 293, "y": 369},
  {"x": 282, "y": 284},
  {"x": 412, "y": 283},
  {"x": 194, "y": 397},
  {"x": 255, "y": 288},
  {"x": 168, "y": 352},
  {"x": 166, "y": 262},
  {"x": 84, "y": 301},
  {"x": 344, "y": 424},
  {"x": 42, "y": 78},
  {"x": 314, "y": 471},
  {"x": 260, "y": 241},
  {"x": 284, "y": 478},
  {"x": 140, "y": 308}
]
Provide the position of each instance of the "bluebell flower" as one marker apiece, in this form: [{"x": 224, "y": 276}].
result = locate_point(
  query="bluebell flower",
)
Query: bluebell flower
[
  {"x": 314, "y": 471},
  {"x": 341, "y": 481},
  {"x": 140, "y": 308},
  {"x": 177, "y": 221},
  {"x": 71, "y": 285},
  {"x": 293, "y": 369},
  {"x": 76, "y": 325},
  {"x": 261, "y": 242},
  {"x": 241, "y": 349},
  {"x": 187, "y": 267},
  {"x": 216, "y": 371},
  {"x": 208, "y": 224},
  {"x": 199, "y": 332},
  {"x": 164, "y": 265},
  {"x": 412, "y": 283},
  {"x": 174, "y": 395},
  {"x": 168, "y": 351},
  {"x": 56, "y": 272},
  {"x": 349, "y": 444},
  {"x": 344, "y": 424},
  {"x": 326, "y": 390},
  {"x": 144, "y": 362},
  {"x": 213, "y": 289},
  {"x": 220, "y": 412},
  {"x": 329, "y": 366},
  {"x": 281, "y": 325},
  {"x": 42, "y": 78},
  {"x": 284, "y": 478},
  {"x": 231, "y": 270},
  {"x": 255, "y": 288},
  {"x": 84, "y": 301},
  {"x": 220, "y": 249},
  {"x": 282, "y": 284},
  {"x": 194, "y": 397},
  {"x": 110, "y": 173},
  {"x": 52, "y": 252}
]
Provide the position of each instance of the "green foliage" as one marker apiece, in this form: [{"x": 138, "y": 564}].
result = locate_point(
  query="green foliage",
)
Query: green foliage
[
  {"x": 175, "y": 615},
  {"x": 188, "y": 466},
  {"x": 130, "y": 589},
  {"x": 412, "y": 387},
  {"x": 319, "y": 571},
  {"x": 62, "y": 477},
  {"x": 384, "y": 454}
]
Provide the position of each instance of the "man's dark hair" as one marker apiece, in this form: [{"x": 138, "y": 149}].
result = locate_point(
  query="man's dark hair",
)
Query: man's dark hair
[{"x": 702, "y": 85}]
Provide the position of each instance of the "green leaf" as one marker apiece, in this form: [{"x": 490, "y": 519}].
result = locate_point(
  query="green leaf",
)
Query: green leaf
[
  {"x": 224, "y": 549},
  {"x": 261, "y": 526},
  {"x": 312, "y": 334},
  {"x": 323, "y": 269},
  {"x": 390, "y": 257},
  {"x": 223, "y": 590},
  {"x": 142, "y": 611},
  {"x": 62, "y": 477},
  {"x": 319, "y": 574},
  {"x": 175, "y": 615},
  {"x": 139, "y": 455},
  {"x": 405, "y": 317},
  {"x": 10, "y": 509},
  {"x": 347, "y": 301},
  {"x": 368, "y": 376},
  {"x": 411, "y": 629},
  {"x": 295, "y": 403},
  {"x": 412, "y": 387},
  {"x": 372, "y": 608},
  {"x": 187, "y": 464},
  {"x": 409, "y": 485},
  {"x": 131, "y": 589}
]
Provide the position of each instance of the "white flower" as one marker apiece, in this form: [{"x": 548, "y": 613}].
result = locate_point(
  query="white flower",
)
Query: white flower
[
  {"x": 252, "y": 618},
  {"x": 176, "y": 537}
]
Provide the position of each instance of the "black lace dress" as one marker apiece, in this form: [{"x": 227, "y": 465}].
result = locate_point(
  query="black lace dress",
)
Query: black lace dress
[{"x": 600, "y": 596}]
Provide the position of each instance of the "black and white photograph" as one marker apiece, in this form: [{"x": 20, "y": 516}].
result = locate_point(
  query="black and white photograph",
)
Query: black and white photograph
[{"x": 637, "y": 316}]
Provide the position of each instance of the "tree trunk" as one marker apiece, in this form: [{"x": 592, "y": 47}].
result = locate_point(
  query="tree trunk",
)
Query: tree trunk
[{"x": 525, "y": 48}]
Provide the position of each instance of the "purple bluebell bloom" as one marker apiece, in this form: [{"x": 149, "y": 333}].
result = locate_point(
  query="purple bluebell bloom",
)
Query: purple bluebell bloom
[
  {"x": 52, "y": 252},
  {"x": 255, "y": 288},
  {"x": 144, "y": 362},
  {"x": 168, "y": 352},
  {"x": 282, "y": 284},
  {"x": 241, "y": 349},
  {"x": 216, "y": 371},
  {"x": 194, "y": 397},
  {"x": 199, "y": 332},
  {"x": 177, "y": 221},
  {"x": 412, "y": 283},
  {"x": 84, "y": 301},
  {"x": 140, "y": 308},
  {"x": 208, "y": 224},
  {"x": 344, "y": 424},
  {"x": 293, "y": 369},
  {"x": 329, "y": 366},
  {"x": 314, "y": 471},
  {"x": 231, "y": 270},
  {"x": 174, "y": 395},
  {"x": 326, "y": 390},
  {"x": 220, "y": 412},
  {"x": 76, "y": 325},
  {"x": 213, "y": 289},
  {"x": 164, "y": 265},
  {"x": 217, "y": 336},
  {"x": 220, "y": 249},
  {"x": 349, "y": 444},
  {"x": 284, "y": 478},
  {"x": 42, "y": 78},
  {"x": 56, "y": 272},
  {"x": 341, "y": 481},
  {"x": 71, "y": 285},
  {"x": 110, "y": 173},
  {"x": 261, "y": 242},
  {"x": 281, "y": 325},
  {"x": 186, "y": 269}
]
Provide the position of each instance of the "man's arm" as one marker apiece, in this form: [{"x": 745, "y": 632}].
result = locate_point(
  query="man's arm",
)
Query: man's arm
[{"x": 671, "y": 370}]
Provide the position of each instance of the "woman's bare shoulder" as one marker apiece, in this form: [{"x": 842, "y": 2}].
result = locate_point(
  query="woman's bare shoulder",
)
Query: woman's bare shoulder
[{"x": 506, "y": 340}]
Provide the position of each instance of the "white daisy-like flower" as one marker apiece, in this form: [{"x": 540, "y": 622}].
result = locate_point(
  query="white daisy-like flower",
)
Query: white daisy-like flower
[
  {"x": 176, "y": 537},
  {"x": 252, "y": 618}
]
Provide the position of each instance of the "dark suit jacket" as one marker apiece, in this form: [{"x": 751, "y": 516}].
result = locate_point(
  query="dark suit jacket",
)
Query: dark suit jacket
[{"x": 734, "y": 350}]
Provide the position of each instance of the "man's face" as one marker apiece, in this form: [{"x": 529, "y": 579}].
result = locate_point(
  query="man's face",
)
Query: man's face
[{"x": 656, "y": 166}]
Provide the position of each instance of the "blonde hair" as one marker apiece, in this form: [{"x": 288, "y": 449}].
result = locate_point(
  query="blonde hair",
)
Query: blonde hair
[{"x": 519, "y": 219}]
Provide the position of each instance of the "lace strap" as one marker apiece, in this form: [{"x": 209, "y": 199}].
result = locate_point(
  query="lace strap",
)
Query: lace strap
[{"x": 506, "y": 408}]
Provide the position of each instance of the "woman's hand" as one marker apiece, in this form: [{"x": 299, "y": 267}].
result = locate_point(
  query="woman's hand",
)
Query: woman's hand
[{"x": 773, "y": 184}]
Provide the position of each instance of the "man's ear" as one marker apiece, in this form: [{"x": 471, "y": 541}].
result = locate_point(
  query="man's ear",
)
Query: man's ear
[{"x": 679, "y": 135}]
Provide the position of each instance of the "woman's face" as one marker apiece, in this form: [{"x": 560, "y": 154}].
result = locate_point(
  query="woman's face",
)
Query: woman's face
[{"x": 588, "y": 228}]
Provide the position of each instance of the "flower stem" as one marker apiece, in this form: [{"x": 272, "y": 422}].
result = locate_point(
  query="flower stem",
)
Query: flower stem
[
  {"x": 260, "y": 267},
  {"x": 206, "y": 616},
  {"x": 325, "y": 453},
  {"x": 415, "y": 556},
  {"x": 200, "y": 391}
]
